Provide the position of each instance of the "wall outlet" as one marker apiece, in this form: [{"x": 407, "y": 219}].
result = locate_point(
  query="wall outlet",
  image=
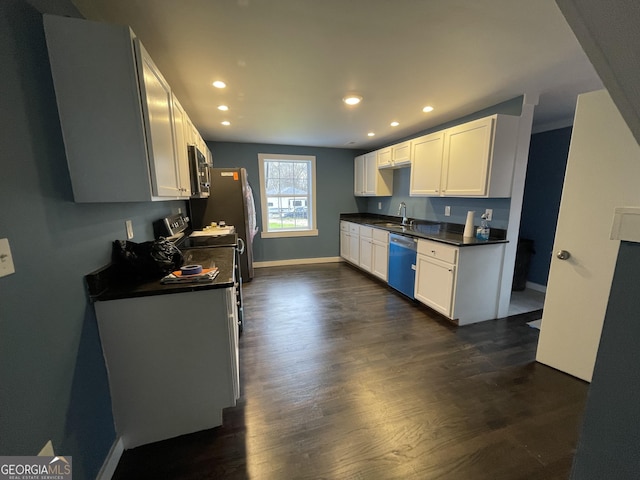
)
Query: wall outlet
[
  {"x": 489, "y": 214},
  {"x": 379, "y": 205},
  {"x": 447, "y": 211},
  {"x": 129, "y": 226},
  {"x": 6, "y": 260}
]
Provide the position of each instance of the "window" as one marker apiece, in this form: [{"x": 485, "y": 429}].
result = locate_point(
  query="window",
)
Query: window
[{"x": 288, "y": 194}]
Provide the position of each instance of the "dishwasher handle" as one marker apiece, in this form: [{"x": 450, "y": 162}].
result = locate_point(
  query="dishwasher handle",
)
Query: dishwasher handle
[{"x": 402, "y": 241}]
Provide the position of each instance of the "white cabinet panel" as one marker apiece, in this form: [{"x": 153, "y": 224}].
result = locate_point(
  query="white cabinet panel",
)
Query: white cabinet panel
[
  {"x": 426, "y": 164},
  {"x": 435, "y": 281}
]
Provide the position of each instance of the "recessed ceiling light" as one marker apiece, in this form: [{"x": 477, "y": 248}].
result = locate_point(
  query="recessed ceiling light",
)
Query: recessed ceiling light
[
  {"x": 224, "y": 108},
  {"x": 427, "y": 109},
  {"x": 371, "y": 134},
  {"x": 226, "y": 123},
  {"x": 352, "y": 99},
  {"x": 394, "y": 124},
  {"x": 219, "y": 84}
]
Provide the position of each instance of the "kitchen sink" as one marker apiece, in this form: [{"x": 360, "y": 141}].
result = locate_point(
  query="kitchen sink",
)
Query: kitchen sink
[{"x": 387, "y": 224}]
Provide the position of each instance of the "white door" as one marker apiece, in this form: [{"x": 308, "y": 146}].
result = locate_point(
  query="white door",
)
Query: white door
[{"x": 603, "y": 170}]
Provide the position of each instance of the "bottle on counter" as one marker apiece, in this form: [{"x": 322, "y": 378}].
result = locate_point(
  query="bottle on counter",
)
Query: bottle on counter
[{"x": 482, "y": 232}]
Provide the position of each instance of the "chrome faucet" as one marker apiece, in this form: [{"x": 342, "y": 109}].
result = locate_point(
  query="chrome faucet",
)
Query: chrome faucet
[{"x": 402, "y": 210}]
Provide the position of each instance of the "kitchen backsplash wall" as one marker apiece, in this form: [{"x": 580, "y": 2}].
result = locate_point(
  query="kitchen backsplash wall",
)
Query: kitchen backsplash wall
[
  {"x": 432, "y": 208},
  {"x": 53, "y": 381}
]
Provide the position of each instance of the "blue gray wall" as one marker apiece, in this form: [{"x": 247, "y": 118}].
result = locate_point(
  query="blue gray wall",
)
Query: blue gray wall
[
  {"x": 432, "y": 208},
  {"x": 542, "y": 192},
  {"x": 334, "y": 195},
  {"x": 608, "y": 444},
  {"x": 53, "y": 383}
]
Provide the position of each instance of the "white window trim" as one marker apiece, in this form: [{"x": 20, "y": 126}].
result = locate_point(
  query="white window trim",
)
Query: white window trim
[{"x": 313, "y": 228}]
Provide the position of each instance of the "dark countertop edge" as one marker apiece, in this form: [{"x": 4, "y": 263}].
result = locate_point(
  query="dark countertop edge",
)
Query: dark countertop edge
[
  {"x": 106, "y": 284},
  {"x": 451, "y": 233},
  {"x": 160, "y": 289}
]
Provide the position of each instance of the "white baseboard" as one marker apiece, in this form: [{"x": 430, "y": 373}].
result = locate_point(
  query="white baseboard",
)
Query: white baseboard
[
  {"x": 537, "y": 287},
  {"x": 297, "y": 261},
  {"x": 111, "y": 462}
]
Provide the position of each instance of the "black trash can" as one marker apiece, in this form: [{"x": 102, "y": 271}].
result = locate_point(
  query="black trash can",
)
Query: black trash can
[{"x": 523, "y": 261}]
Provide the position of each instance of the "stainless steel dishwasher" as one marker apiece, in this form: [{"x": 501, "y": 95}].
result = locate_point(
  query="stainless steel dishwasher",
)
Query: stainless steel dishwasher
[{"x": 402, "y": 263}]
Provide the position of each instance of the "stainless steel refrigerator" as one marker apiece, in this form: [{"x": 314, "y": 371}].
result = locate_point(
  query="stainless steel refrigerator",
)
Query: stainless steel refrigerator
[{"x": 231, "y": 201}]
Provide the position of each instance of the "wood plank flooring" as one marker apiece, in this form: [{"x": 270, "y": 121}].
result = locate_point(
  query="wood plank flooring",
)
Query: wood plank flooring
[{"x": 343, "y": 378}]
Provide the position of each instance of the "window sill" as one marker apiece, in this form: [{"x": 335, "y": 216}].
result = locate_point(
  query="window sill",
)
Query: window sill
[{"x": 290, "y": 233}]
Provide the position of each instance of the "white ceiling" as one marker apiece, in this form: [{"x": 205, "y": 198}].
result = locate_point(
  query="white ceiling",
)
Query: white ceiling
[{"x": 288, "y": 63}]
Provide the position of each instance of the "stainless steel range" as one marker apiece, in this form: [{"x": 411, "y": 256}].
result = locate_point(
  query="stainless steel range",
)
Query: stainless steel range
[{"x": 194, "y": 246}]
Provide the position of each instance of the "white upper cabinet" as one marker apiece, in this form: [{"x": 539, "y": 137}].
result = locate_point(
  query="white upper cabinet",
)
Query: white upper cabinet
[
  {"x": 368, "y": 180},
  {"x": 181, "y": 131},
  {"x": 475, "y": 159},
  {"x": 117, "y": 113},
  {"x": 157, "y": 109},
  {"x": 426, "y": 164},
  {"x": 395, "y": 156},
  {"x": 401, "y": 154},
  {"x": 383, "y": 157}
]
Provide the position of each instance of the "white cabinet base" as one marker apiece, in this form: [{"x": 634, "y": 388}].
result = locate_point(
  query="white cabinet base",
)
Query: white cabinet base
[{"x": 170, "y": 363}]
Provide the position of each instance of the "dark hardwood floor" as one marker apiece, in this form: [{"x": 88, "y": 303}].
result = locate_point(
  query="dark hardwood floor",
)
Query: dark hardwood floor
[{"x": 342, "y": 378}]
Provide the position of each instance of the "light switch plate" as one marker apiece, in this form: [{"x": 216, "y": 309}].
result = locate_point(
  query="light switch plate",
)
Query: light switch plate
[
  {"x": 6, "y": 260},
  {"x": 447, "y": 211},
  {"x": 129, "y": 226}
]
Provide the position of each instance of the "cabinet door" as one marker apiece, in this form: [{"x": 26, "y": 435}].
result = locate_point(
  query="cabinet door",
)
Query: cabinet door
[
  {"x": 156, "y": 102},
  {"x": 370, "y": 174},
  {"x": 354, "y": 249},
  {"x": 401, "y": 154},
  {"x": 234, "y": 349},
  {"x": 358, "y": 175},
  {"x": 180, "y": 129},
  {"x": 383, "y": 157},
  {"x": 344, "y": 245},
  {"x": 380, "y": 266},
  {"x": 426, "y": 165},
  {"x": 366, "y": 254},
  {"x": 467, "y": 150},
  {"x": 434, "y": 284}
]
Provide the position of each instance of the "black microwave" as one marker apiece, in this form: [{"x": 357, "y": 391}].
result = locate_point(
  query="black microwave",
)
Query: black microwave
[{"x": 199, "y": 168}]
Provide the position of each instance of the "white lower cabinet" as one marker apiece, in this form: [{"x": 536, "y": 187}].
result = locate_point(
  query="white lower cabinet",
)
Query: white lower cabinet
[
  {"x": 462, "y": 283},
  {"x": 170, "y": 375},
  {"x": 365, "y": 247},
  {"x": 344, "y": 240},
  {"x": 354, "y": 244},
  {"x": 380, "y": 245}
]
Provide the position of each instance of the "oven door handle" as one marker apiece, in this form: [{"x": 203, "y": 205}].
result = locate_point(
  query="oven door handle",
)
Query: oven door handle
[{"x": 241, "y": 246}]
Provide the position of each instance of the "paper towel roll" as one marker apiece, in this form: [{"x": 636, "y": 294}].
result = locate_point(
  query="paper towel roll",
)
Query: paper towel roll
[{"x": 468, "y": 227}]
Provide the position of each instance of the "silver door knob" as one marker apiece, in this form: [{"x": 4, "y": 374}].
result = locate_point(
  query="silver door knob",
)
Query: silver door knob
[{"x": 563, "y": 255}]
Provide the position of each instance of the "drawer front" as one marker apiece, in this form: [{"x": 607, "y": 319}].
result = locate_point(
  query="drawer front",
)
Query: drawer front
[
  {"x": 344, "y": 226},
  {"x": 443, "y": 252},
  {"x": 366, "y": 231},
  {"x": 354, "y": 228},
  {"x": 381, "y": 236}
]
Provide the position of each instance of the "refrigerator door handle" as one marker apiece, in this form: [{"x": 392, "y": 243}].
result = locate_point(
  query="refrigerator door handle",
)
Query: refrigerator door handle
[{"x": 241, "y": 245}]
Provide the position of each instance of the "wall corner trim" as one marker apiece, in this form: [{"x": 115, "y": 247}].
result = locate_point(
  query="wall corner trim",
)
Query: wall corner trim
[
  {"x": 626, "y": 224},
  {"x": 111, "y": 462}
]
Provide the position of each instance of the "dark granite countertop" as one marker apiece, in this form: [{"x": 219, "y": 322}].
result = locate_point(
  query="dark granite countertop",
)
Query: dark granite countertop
[
  {"x": 105, "y": 285},
  {"x": 450, "y": 233}
]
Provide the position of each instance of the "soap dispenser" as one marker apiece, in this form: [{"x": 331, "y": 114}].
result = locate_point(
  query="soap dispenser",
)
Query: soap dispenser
[{"x": 482, "y": 233}]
